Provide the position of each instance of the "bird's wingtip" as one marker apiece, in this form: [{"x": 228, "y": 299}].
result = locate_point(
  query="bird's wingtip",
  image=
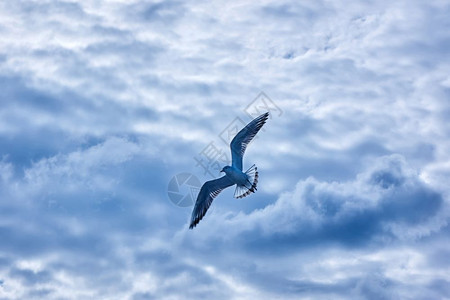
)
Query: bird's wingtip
[{"x": 192, "y": 225}]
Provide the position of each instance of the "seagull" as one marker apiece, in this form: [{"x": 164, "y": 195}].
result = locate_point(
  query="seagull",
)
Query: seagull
[{"x": 245, "y": 182}]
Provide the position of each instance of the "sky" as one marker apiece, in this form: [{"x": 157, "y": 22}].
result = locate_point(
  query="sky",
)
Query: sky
[{"x": 104, "y": 102}]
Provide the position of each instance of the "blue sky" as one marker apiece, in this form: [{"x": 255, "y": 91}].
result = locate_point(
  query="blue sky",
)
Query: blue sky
[{"x": 103, "y": 102}]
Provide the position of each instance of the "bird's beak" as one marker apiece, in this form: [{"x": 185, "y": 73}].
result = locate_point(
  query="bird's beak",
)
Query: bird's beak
[{"x": 221, "y": 171}]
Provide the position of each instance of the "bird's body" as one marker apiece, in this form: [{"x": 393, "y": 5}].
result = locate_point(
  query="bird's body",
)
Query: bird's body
[
  {"x": 245, "y": 181},
  {"x": 237, "y": 176}
]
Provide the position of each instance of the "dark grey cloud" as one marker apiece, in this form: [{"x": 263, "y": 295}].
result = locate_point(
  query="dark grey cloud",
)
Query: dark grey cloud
[
  {"x": 352, "y": 212},
  {"x": 385, "y": 206}
]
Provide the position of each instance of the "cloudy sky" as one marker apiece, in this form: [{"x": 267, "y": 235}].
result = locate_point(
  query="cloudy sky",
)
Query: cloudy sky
[{"x": 103, "y": 102}]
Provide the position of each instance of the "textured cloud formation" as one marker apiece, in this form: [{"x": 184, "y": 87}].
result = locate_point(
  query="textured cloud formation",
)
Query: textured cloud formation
[
  {"x": 386, "y": 202},
  {"x": 104, "y": 101},
  {"x": 350, "y": 238}
]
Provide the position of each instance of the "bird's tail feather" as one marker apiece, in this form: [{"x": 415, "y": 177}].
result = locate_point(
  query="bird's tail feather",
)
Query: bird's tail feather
[{"x": 250, "y": 187}]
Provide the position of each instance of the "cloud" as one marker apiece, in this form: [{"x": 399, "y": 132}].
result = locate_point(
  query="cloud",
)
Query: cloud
[
  {"x": 103, "y": 102},
  {"x": 319, "y": 223},
  {"x": 387, "y": 201}
]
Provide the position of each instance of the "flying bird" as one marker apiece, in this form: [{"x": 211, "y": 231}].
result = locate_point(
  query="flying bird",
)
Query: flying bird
[{"x": 245, "y": 182}]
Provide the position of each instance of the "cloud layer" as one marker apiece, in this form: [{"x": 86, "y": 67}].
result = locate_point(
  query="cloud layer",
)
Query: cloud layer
[{"x": 104, "y": 102}]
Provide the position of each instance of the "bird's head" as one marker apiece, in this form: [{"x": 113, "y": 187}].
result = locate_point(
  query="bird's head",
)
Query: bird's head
[{"x": 224, "y": 169}]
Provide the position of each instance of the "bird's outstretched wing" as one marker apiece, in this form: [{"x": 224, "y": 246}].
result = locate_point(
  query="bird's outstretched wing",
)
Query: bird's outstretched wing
[
  {"x": 241, "y": 140},
  {"x": 208, "y": 192}
]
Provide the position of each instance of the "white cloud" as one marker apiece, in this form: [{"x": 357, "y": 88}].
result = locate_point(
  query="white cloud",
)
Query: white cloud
[{"x": 104, "y": 101}]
